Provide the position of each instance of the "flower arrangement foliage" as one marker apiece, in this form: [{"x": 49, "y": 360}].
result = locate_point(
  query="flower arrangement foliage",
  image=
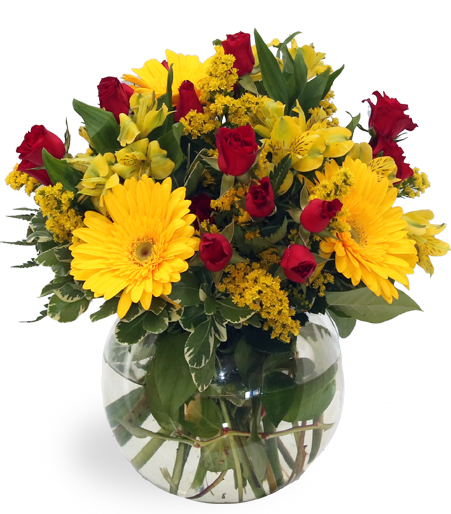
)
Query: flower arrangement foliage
[{"x": 226, "y": 194}]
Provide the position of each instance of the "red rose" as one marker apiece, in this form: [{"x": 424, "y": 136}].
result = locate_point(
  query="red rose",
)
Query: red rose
[
  {"x": 392, "y": 149},
  {"x": 239, "y": 45},
  {"x": 215, "y": 251},
  {"x": 30, "y": 151},
  {"x": 298, "y": 263},
  {"x": 114, "y": 96},
  {"x": 260, "y": 199},
  {"x": 388, "y": 118},
  {"x": 188, "y": 101},
  {"x": 316, "y": 216},
  {"x": 200, "y": 206},
  {"x": 237, "y": 149}
]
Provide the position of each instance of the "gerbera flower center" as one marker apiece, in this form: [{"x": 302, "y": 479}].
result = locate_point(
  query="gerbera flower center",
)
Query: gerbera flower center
[{"x": 143, "y": 251}]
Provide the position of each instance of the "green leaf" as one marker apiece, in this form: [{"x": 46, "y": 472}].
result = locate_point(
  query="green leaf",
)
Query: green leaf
[
  {"x": 203, "y": 376},
  {"x": 186, "y": 292},
  {"x": 61, "y": 269},
  {"x": 101, "y": 126},
  {"x": 218, "y": 456},
  {"x": 130, "y": 332},
  {"x": 59, "y": 171},
  {"x": 165, "y": 419},
  {"x": 210, "y": 306},
  {"x": 279, "y": 173},
  {"x": 107, "y": 309},
  {"x": 277, "y": 395},
  {"x": 119, "y": 408},
  {"x": 47, "y": 258},
  {"x": 39, "y": 237},
  {"x": 172, "y": 374},
  {"x": 353, "y": 124},
  {"x": 331, "y": 80},
  {"x": 171, "y": 143},
  {"x": 232, "y": 312},
  {"x": 66, "y": 312},
  {"x": 69, "y": 293},
  {"x": 248, "y": 84},
  {"x": 312, "y": 398},
  {"x": 192, "y": 317},
  {"x": 28, "y": 264},
  {"x": 200, "y": 344},
  {"x": 157, "y": 306},
  {"x": 345, "y": 326},
  {"x": 156, "y": 324},
  {"x": 272, "y": 75},
  {"x": 204, "y": 418},
  {"x": 63, "y": 254},
  {"x": 300, "y": 73},
  {"x": 314, "y": 92},
  {"x": 25, "y": 217},
  {"x": 193, "y": 179},
  {"x": 364, "y": 305}
]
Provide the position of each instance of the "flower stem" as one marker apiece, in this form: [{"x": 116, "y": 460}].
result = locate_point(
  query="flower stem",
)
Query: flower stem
[
  {"x": 239, "y": 476},
  {"x": 147, "y": 452},
  {"x": 210, "y": 487},
  {"x": 273, "y": 454},
  {"x": 180, "y": 460}
]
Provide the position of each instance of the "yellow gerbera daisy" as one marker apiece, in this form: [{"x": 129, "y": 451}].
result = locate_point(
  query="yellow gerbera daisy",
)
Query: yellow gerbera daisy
[
  {"x": 375, "y": 248},
  {"x": 153, "y": 76},
  {"x": 142, "y": 249}
]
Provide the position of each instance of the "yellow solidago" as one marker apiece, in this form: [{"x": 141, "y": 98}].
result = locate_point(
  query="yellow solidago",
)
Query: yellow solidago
[
  {"x": 198, "y": 124},
  {"x": 142, "y": 249},
  {"x": 423, "y": 233},
  {"x": 320, "y": 282},
  {"x": 18, "y": 179},
  {"x": 221, "y": 76},
  {"x": 251, "y": 285},
  {"x": 230, "y": 198},
  {"x": 415, "y": 185},
  {"x": 334, "y": 182},
  {"x": 375, "y": 250},
  {"x": 236, "y": 110},
  {"x": 55, "y": 205}
]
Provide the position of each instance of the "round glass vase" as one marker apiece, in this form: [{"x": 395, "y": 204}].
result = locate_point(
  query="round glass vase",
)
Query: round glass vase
[{"x": 268, "y": 413}]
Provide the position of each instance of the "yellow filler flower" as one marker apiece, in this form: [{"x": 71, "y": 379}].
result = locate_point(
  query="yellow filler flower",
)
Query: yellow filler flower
[
  {"x": 375, "y": 248},
  {"x": 142, "y": 250}
]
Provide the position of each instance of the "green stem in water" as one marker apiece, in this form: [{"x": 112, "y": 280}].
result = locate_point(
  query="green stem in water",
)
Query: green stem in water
[
  {"x": 147, "y": 452},
  {"x": 210, "y": 487},
  {"x": 273, "y": 453},
  {"x": 180, "y": 461},
  {"x": 285, "y": 454},
  {"x": 239, "y": 476}
]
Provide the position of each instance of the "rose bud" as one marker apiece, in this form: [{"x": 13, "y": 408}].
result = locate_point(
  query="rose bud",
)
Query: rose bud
[
  {"x": 237, "y": 149},
  {"x": 188, "y": 101},
  {"x": 201, "y": 208},
  {"x": 114, "y": 96},
  {"x": 260, "y": 199},
  {"x": 239, "y": 45},
  {"x": 387, "y": 117},
  {"x": 318, "y": 213},
  {"x": 393, "y": 150},
  {"x": 298, "y": 263},
  {"x": 30, "y": 151},
  {"x": 215, "y": 251}
]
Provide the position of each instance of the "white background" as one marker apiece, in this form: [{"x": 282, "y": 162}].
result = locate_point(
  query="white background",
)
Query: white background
[{"x": 392, "y": 449}]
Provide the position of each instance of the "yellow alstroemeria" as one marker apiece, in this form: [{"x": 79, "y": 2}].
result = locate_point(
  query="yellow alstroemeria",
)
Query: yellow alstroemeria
[
  {"x": 305, "y": 148},
  {"x": 337, "y": 141},
  {"x": 313, "y": 60},
  {"x": 98, "y": 178},
  {"x": 384, "y": 167},
  {"x": 146, "y": 117},
  {"x": 266, "y": 115},
  {"x": 153, "y": 76},
  {"x": 143, "y": 158},
  {"x": 423, "y": 233},
  {"x": 361, "y": 151}
]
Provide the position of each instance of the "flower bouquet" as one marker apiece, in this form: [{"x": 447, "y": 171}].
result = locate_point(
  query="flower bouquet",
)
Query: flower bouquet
[{"x": 237, "y": 231}]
